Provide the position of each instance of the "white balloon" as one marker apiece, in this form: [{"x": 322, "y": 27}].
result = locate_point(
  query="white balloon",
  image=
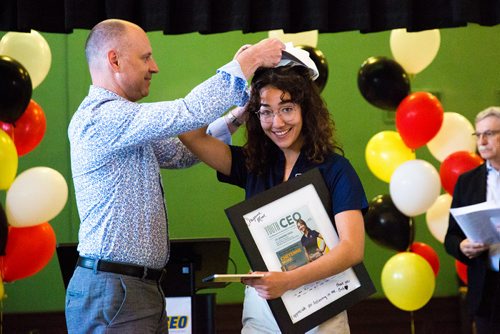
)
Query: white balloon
[
  {"x": 414, "y": 51},
  {"x": 36, "y": 196},
  {"x": 438, "y": 215},
  {"x": 29, "y": 49},
  {"x": 414, "y": 187},
  {"x": 454, "y": 135},
  {"x": 308, "y": 38}
]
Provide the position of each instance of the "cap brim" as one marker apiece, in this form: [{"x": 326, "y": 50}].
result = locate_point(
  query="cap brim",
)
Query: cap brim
[{"x": 296, "y": 56}]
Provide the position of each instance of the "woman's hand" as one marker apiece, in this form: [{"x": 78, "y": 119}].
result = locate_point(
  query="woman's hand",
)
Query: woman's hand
[
  {"x": 243, "y": 48},
  {"x": 272, "y": 285}
]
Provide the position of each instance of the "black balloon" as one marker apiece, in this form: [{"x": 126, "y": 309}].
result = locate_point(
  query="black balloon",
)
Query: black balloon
[
  {"x": 4, "y": 230},
  {"x": 15, "y": 89},
  {"x": 383, "y": 82},
  {"x": 319, "y": 60},
  {"x": 387, "y": 226}
]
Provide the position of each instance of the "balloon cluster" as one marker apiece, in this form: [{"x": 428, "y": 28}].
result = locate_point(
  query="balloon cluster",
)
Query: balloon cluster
[
  {"x": 307, "y": 41},
  {"x": 408, "y": 278},
  {"x": 37, "y": 195}
]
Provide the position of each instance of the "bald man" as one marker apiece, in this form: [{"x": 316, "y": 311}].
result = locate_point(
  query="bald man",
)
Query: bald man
[{"x": 118, "y": 146}]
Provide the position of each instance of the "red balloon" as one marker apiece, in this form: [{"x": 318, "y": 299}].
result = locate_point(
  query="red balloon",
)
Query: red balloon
[
  {"x": 29, "y": 129},
  {"x": 418, "y": 118},
  {"x": 28, "y": 251},
  {"x": 428, "y": 253},
  {"x": 461, "y": 271},
  {"x": 454, "y": 165}
]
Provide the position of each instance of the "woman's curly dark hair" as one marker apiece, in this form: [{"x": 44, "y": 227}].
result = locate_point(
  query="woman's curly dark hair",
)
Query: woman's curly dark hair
[{"x": 317, "y": 128}]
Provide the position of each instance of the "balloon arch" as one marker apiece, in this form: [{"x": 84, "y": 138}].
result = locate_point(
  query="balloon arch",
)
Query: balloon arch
[
  {"x": 414, "y": 184},
  {"x": 37, "y": 195}
]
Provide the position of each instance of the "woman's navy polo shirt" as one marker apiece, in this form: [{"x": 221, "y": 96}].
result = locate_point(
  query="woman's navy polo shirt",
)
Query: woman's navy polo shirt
[{"x": 343, "y": 183}]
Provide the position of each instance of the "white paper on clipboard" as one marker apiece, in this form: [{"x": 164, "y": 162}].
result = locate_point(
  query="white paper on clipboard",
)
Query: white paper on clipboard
[{"x": 480, "y": 222}]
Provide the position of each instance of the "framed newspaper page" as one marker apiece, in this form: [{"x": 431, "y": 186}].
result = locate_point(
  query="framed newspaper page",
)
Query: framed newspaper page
[{"x": 267, "y": 229}]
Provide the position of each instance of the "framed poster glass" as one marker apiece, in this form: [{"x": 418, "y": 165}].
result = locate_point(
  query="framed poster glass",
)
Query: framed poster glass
[{"x": 266, "y": 226}]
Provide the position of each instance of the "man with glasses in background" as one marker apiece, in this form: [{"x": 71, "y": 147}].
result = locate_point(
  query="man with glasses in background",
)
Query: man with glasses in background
[{"x": 476, "y": 186}]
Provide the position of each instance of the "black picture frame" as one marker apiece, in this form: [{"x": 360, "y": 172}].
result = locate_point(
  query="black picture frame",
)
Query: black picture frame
[{"x": 254, "y": 215}]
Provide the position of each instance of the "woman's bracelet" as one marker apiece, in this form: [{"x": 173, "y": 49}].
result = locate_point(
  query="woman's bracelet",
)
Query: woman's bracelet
[{"x": 231, "y": 119}]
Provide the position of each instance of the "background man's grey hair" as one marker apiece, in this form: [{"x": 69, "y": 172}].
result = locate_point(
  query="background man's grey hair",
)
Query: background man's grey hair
[{"x": 490, "y": 111}]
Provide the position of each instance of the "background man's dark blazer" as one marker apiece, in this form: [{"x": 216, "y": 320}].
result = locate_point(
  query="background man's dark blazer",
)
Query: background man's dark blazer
[{"x": 469, "y": 189}]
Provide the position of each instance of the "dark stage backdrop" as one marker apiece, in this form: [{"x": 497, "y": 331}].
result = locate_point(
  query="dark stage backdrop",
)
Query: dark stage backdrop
[{"x": 214, "y": 16}]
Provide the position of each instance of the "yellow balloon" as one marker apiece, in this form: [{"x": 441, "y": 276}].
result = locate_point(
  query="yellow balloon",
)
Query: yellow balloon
[
  {"x": 8, "y": 160},
  {"x": 384, "y": 153},
  {"x": 408, "y": 281},
  {"x": 2, "y": 290}
]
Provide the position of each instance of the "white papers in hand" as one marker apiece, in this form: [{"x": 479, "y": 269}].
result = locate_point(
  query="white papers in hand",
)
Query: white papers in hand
[{"x": 480, "y": 222}]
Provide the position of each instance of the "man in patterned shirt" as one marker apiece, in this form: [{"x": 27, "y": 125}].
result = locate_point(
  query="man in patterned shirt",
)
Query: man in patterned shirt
[{"x": 117, "y": 149}]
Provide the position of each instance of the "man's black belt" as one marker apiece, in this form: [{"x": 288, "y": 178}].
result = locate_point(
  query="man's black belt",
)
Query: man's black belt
[{"x": 121, "y": 268}]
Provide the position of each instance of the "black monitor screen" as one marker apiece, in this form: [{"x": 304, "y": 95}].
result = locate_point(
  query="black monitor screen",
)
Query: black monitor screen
[
  {"x": 67, "y": 256},
  {"x": 205, "y": 256}
]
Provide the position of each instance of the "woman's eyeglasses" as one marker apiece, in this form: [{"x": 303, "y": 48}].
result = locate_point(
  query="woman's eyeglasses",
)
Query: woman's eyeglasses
[{"x": 286, "y": 113}]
